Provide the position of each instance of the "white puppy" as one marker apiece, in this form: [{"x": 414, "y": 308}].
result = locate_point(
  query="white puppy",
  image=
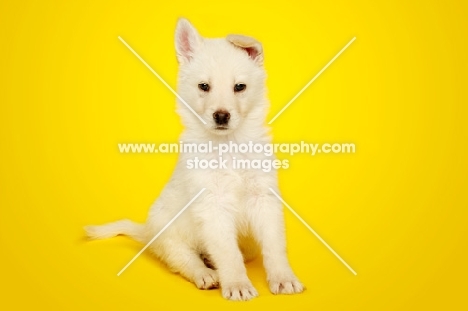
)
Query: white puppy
[{"x": 236, "y": 216}]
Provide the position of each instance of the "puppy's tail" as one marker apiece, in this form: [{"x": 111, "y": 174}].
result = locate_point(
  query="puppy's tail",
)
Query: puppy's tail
[{"x": 121, "y": 227}]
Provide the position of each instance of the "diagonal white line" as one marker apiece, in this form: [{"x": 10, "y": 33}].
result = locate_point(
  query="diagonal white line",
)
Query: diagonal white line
[
  {"x": 313, "y": 79},
  {"x": 315, "y": 233},
  {"x": 160, "y": 232},
  {"x": 162, "y": 80}
]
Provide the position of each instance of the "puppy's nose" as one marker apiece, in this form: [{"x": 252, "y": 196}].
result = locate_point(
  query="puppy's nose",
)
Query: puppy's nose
[{"x": 221, "y": 117}]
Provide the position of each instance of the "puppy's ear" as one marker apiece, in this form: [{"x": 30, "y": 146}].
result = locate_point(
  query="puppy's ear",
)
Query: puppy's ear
[
  {"x": 250, "y": 45},
  {"x": 187, "y": 41}
]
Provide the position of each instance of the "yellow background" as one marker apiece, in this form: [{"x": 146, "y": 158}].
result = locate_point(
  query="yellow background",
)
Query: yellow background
[{"x": 396, "y": 210}]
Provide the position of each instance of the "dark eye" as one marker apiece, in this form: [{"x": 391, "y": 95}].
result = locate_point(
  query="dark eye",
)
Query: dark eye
[
  {"x": 205, "y": 87},
  {"x": 239, "y": 87}
]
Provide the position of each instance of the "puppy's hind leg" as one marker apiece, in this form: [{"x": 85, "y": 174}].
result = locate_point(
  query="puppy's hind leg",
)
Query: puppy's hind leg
[{"x": 182, "y": 259}]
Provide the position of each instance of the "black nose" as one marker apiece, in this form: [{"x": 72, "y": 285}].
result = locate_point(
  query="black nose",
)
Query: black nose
[{"x": 221, "y": 117}]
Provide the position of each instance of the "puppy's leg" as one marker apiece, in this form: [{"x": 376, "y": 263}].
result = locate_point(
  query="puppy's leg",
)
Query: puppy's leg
[
  {"x": 220, "y": 237},
  {"x": 267, "y": 223},
  {"x": 182, "y": 259}
]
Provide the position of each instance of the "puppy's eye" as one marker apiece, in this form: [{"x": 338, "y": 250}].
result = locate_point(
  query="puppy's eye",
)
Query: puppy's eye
[
  {"x": 239, "y": 87},
  {"x": 205, "y": 87}
]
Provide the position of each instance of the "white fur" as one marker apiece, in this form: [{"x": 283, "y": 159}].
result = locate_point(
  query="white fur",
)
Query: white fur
[{"x": 237, "y": 215}]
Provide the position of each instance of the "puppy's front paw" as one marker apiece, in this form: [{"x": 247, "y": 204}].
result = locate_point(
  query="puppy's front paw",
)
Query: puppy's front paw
[
  {"x": 290, "y": 285},
  {"x": 206, "y": 279},
  {"x": 239, "y": 291}
]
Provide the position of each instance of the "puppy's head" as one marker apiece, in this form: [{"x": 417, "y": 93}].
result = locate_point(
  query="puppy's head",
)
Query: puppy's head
[{"x": 223, "y": 80}]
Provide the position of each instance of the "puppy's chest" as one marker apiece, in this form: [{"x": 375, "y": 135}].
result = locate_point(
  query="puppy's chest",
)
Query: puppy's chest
[{"x": 233, "y": 156}]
